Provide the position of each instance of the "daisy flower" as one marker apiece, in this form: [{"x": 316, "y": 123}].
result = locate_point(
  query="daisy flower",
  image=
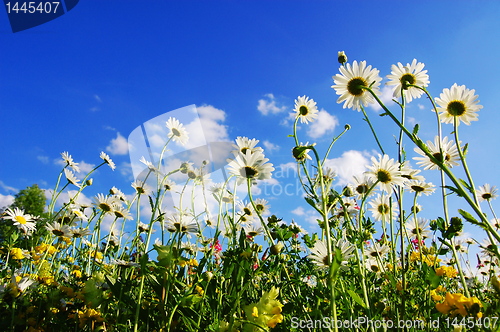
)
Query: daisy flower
[
  {"x": 107, "y": 160},
  {"x": 177, "y": 131},
  {"x": 410, "y": 173},
  {"x": 374, "y": 265},
  {"x": 385, "y": 172},
  {"x": 121, "y": 212},
  {"x": 70, "y": 176},
  {"x": 351, "y": 82},
  {"x": 489, "y": 248},
  {"x": 104, "y": 203},
  {"x": 58, "y": 229},
  {"x": 262, "y": 206},
  {"x": 420, "y": 187},
  {"x": 341, "y": 57},
  {"x": 301, "y": 152},
  {"x": 458, "y": 102},
  {"x": 377, "y": 250},
  {"x": 411, "y": 74},
  {"x": 319, "y": 253},
  {"x": 253, "y": 229},
  {"x": 179, "y": 223},
  {"x": 80, "y": 232},
  {"x": 244, "y": 143},
  {"x": 149, "y": 164},
  {"x": 141, "y": 187},
  {"x": 305, "y": 109},
  {"x": 250, "y": 166},
  {"x": 382, "y": 209},
  {"x": 486, "y": 192},
  {"x": 69, "y": 161},
  {"x": 362, "y": 185},
  {"x": 22, "y": 221},
  {"x": 448, "y": 154},
  {"x": 247, "y": 212},
  {"x": 418, "y": 226}
]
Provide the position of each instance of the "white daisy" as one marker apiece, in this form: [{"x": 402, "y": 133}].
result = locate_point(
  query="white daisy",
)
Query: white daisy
[
  {"x": 262, "y": 206},
  {"x": 301, "y": 152},
  {"x": 121, "y": 212},
  {"x": 377, "y": 250},
  {"x": 69, "y": 161},
  {"x": 374, "y": 265},
  {"x": 486, "y": 192},
  {"x": 458, "y": 102},
  {"x": 319, "y": 253},
  {"x": 409, "y": 172},
  {"x": 148, "y": 164},
  {"x": 80, "y": 232},
  {"x": 104, "y": 203},
  {"x": 420, "y": 187},
  {"x": 250, "y": 166},
  {"x": 446, "y": 152},
  {"x": 107, "y": 160},
  {"x": 382, "y": 209},
  {"x": 305, "y": 109},
  {"x": 411, "y": 74},
  {"x": 22, "y": 221},
  {"x": 70, "y": 176},
  {"x": 418, "y": 226},
  {"x": 180, "y": 223},
  {"x": 244, "y": 143},
  {"x": 350, "y": 83},
  {"x": 385, "y": 172},
  {"x": 141, "y": 187},
  {"x": 362, "y": 185},
  {"x": 253, "y": 229},
  {"x": 58, "y": 229},
  {"x": 177, "y": 131}
]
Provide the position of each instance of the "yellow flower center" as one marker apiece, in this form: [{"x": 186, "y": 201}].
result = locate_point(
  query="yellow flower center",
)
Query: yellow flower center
[
  {"x": 456, "y": 108},
  {"x": 21, "y": 220},
  {"x": 407, "y": 79},
  {"x": 355, "y": 86},
  {"x": 303, "y": 110}
]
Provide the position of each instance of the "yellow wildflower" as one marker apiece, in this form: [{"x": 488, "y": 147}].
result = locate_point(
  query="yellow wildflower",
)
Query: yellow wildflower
[
  {"x": 17, "y": 253},
  {"x": 457, "y": 304},
  {"x": 448, "y": 271}
]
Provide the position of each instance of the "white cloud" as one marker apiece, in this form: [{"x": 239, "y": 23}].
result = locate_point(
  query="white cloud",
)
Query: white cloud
[
  {"x": 269, "y": 106},
  {"x": 6, "y": 200},
  {"x": 411, "y": 120},
  {"x": 386, "y": 96},
  {"x": 421, "y": 107},
  {"x": 97, "y": 98},
  {"x": 351, "y": 163},
  {"x": 118, "y": 145},
  {"x": 270, "y": 147},
  {"x": 84, "y": 167},
  {"x": 43, "y": 159},
  {"x": 6, "y": 187},
  {"x": 299, "y": 211},
  {"x": 325, "y": 123},
  {"x": 67, "y": 196}
]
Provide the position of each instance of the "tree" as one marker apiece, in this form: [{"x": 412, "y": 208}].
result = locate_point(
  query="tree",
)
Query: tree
[{"x": 31, "y": 200}]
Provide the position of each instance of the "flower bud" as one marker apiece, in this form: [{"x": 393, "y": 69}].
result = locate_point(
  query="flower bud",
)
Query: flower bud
[
  {"x": 342, "y": 57},
  {"x": 276, "y": 249}
]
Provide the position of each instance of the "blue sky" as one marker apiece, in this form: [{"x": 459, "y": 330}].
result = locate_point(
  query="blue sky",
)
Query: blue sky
[{"x": 90, "y": 77}]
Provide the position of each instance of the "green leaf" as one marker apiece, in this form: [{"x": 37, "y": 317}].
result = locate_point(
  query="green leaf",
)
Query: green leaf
[
  {"x": 415, "y": 129},
  {"x": 467, "y": 216},
  {"x": 455, "y": 190},
  {"x": 356, "y": 298}
]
